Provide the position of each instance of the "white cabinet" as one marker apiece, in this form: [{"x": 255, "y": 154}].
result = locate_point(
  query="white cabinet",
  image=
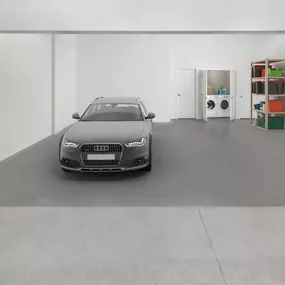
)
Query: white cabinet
[
  {"x": 243, "y": 93},
  {"x": 218, "y": 93}
]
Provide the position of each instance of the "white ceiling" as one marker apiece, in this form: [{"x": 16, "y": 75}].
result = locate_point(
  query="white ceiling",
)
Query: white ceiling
[{"x": 142, "y": 15}]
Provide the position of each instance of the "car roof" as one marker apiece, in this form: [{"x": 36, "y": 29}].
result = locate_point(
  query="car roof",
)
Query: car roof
[{"x": 117, "y": 100}]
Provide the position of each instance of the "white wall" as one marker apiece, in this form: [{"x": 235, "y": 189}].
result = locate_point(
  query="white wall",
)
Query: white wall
[
  {"x": 142, "y": 15},
  {"x": 65, "y": 80},
  {"x": 25, "y": 91},
  {"x": 145, "y": 65},
  {"x": 88, "y": 66},
  {"x": 125, "y": 65}
]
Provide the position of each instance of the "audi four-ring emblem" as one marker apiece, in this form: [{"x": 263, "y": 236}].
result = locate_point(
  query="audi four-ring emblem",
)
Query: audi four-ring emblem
[{"x": 101, "y": 148}]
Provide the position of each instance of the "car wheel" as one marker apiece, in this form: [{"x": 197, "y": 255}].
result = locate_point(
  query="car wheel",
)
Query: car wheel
[{"x": 148, "y": 168}]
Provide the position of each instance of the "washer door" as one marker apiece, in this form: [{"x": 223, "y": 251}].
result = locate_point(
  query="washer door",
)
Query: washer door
[
  {"x": 224, "y": 105},
  {"x": 211, "y": 105}
]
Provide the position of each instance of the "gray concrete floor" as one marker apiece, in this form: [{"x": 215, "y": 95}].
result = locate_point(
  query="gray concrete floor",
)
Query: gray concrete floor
[
  {"x": 195, "y": 164},
  {"x": 127, "y": 246},
  {"x": 174, "y": 238}
]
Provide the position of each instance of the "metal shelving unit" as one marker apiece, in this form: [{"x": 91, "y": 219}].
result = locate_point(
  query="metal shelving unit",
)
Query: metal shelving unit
[{"x": 267, "y": 63}]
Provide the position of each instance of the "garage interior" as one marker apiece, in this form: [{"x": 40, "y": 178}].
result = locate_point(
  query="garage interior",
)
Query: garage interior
[{"x": 209, "y": 212}]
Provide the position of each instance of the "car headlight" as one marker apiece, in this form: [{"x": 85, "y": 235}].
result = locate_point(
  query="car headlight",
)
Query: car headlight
[
  {"x": 139, "y": 142},
  {"x": 67, "y": 143}
]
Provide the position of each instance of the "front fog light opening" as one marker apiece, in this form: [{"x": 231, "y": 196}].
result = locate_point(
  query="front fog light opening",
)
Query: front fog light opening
[
  {"x": 140, "y": 161},
  {"x": 139, "y": 142},
  {"x": 66, "y": 162}
]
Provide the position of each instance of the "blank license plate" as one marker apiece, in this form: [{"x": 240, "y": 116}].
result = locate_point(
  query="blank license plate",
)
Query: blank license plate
[{"x": 100, "y": 156}]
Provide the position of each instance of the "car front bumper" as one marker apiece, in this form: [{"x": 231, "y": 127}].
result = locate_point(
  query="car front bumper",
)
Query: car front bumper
[
  {"x": 130, "y": 159},
  {"x": 104, "y": 169}
]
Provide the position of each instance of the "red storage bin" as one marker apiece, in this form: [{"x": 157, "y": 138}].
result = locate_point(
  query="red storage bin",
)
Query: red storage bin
[
  {"x": 263, "y": 71},
  {"x": 275, "y": 106}
]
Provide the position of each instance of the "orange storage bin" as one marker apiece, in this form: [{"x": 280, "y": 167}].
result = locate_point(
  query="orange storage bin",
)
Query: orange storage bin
[{"x": 275, "y": 106}]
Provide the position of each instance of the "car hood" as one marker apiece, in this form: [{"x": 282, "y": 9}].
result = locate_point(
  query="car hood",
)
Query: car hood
[{"x": 105, "y": 132}]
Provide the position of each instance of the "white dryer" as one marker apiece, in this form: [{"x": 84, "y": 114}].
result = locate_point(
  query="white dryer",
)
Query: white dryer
[
  {"x": 212, "y": 106},
  {"x": 224, "y": 106}
]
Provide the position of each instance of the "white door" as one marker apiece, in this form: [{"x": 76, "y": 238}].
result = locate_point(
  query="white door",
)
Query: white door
[
  {"x": 203, "y": 83},
  {"x": 243, "y": 93},
  {"x": 186, "y": 93},
  {"x": 233, "y": 96}
]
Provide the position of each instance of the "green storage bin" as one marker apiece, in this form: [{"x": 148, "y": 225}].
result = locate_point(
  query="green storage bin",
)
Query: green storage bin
[
  {"x": 275, "y": 73},
  {"x": 276, "y": 123}
]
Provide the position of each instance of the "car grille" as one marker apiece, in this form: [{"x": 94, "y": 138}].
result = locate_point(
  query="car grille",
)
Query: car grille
[
  {"x": 112, "y": 148},
  {"x": 101, "y": 149},
  {"x": 101, "y": 162}
]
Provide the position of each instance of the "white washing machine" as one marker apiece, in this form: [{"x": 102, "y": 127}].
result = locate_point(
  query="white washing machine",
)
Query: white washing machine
[
  {"x": 224, "y": 106},
  {"x": 212, "y": 106}
]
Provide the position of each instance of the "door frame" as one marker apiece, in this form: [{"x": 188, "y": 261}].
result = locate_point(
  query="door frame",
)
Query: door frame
[
  {"x": 233, "y": 98},
  {"x": 53, "y": 79},
  {"x": 200, "y": 98},
  {"x": 177, "y": 91},
  {"x": 203, "y": 97}
]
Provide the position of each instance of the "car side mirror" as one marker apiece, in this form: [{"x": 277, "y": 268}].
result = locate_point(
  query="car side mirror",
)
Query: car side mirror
[
  {"x": 150, "y": 116},
  {"x": 76, "y": 116}
]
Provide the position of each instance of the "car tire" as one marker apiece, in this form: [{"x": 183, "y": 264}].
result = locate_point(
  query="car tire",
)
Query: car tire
[
  {"x": 59, "y": 154},
  {"x": 148, "y": 167},
  {"x": 59, "y": 145}
]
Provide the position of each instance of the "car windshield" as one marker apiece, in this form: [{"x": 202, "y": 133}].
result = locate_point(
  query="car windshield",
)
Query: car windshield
[{"x": 113, "y": 112}]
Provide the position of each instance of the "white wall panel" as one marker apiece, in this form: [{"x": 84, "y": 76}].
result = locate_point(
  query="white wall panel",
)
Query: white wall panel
[
  {"x": 25, "y": 91},
  {"x": 142, "y": 15},
  {"x": 124, "y": 65},
  {"x": 65, "y": 80}
]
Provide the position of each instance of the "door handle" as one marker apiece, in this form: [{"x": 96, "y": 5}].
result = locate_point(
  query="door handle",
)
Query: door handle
[{"x": 178, "y": 95}]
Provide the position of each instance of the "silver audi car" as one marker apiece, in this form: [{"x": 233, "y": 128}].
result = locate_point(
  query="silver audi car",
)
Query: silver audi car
[{"x": 113, "y": 134}]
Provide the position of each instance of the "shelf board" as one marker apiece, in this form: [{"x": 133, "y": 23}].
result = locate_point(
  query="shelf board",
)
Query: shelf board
[
  {"x": 269, "y": 130},
  {"x": 270, "y": 113},
  {"x": 258, "y": 64},
  {"x": 258, "y": 127},
  {"x": 270, "y": 79},
  {"x": 276, "y": 95},
  {"x": 279, "y": 62},
  {"x": 270, "y": 61}
]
